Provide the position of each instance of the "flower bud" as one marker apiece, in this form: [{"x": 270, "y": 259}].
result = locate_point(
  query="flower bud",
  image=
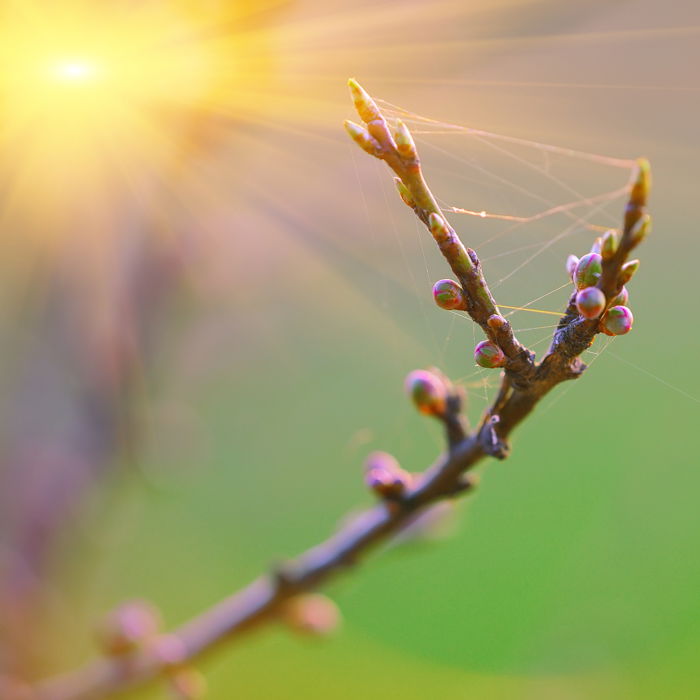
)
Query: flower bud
[
  {"x": 404, "y": 193},
  {"x": 588, "y": 270},
  {"x": 571, "y": 263},
  {"x": 597, "y": 245},
  {"x": 404, "y": 141},
  {"x": 363, "y": 138},
  {"x": 627, "y": 272},
  {"x": 590, "y": 302},
  {"x": 609, "y": 244},
  {"x": 129, "y": 626},
  {"x": 489, "y": 355},
  {"x": 617, "y": 321},
  {"x": 449, "y": 295},
  {"x": 366, "y": 107},
  {"x": 428, "y": 392},
  {"x": 621, "y": 299},
  {"x": 313, "y": 614},
  {"x": 385, "y": 477}
]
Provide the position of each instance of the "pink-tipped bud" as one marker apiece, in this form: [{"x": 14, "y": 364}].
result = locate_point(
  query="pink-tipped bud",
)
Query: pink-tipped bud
[
  {"x": 617, "y": 321},
  {"x": 571, "y": 263},
  {"x": 366, "y": 107},
  {"x": 597, "y": 245},
  {"x": 489, "y": 355},
  {"x": 449, "y": 295},
  {"x": 128, "y": 627},
  {"x": 590, "y": 302},
  {"x": 405, "y": 144},
  {"x": 609, "y": 244},
  {"x": 628, "y": 271},
  {"x": 385, "y": 477},
  {"x": 428, "y": 392},
  {"x": 313, "y": 614},
  {"x": 621, "y": 299},
  {"x": 404, "y": 193},
  {"x": 363, "y": 138}
]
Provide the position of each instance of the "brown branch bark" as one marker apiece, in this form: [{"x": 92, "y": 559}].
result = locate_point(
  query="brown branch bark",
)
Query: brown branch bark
[{"x": 524, "y": 384}]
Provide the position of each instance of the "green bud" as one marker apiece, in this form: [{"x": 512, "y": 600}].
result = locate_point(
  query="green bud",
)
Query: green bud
[
  {"x": 571, "y": 263},
  {"x": 404, "y": 141},
  {"x": 364, "y": 104},
  {"x": 488, "y": 354},
  {"x": 404, "y": 192},
  {"x": 363, "y": 138},
  {"x": 640, "y": 230},
  {"x": 428, "y": 392},
  {"x": 438, "y": 227},
  {"x": 609, "y": 244},
  {"x": 590, "y": 302},
  {"x": 617, "y": 321},
  {"x": 588, "y": 270},
  {"x": 449, "y": 295},
  {"x": 628, "y": 271},
  {"x": 642, "y": 183}
]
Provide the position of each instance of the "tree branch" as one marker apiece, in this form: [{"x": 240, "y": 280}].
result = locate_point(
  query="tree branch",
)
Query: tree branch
[{"x": 402, "y": 497}]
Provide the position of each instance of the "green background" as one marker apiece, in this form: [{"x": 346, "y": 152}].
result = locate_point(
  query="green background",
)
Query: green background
[{"x": 573, "y": 571}]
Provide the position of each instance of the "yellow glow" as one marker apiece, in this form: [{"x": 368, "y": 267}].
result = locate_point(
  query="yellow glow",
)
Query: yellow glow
[
  {"x": 101, "y": 101},
  {"x": 74, "y": 71}
]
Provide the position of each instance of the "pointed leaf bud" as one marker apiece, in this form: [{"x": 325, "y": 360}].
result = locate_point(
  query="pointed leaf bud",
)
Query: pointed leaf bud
[
  {"x": 621, "y": 299},
  {"x": 489, "y": 355},
  {"x": 313, "y": 614},
  {"x": 449, "y": 295},
  {"x": 404, "y": 141},
  {"x": 640, "y": 230},
  {"x": 428, "y": 392},
  {"x": 588, "y": 270},
  {"x": 627, "y": 272},
  {"x": 590, "y": 302},
  {"x": 366, "y": 107},
  {"x": 642, "y": 183},
  {"x": 404, "y": 193},
  {"x": 438, "y": 227},
  {"x": 617, "y": 321},
  {"x": 609, "y": 244},
  {"x": 385, "y": 477},
  {"x": 363, "y": 138},
  {"x": 131, "y": 625},
  {"x": 597, "y": 244},
  {"x": 571, "y": 263}
]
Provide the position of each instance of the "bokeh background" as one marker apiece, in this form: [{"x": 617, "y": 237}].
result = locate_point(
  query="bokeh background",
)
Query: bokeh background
[{"x": 209, "y": 299}]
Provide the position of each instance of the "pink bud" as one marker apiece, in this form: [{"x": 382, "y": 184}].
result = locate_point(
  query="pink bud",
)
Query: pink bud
[
  {"x": 617, "y": 321},
  {"x": 313, "y": 614},
  {"x": 385, "y": 477},
  {"x": 428, "y": 392},
  {"x": 449, "y": 295},
  {"x": 590, "y": 302},
  {"x": 488, "y": 354}
]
